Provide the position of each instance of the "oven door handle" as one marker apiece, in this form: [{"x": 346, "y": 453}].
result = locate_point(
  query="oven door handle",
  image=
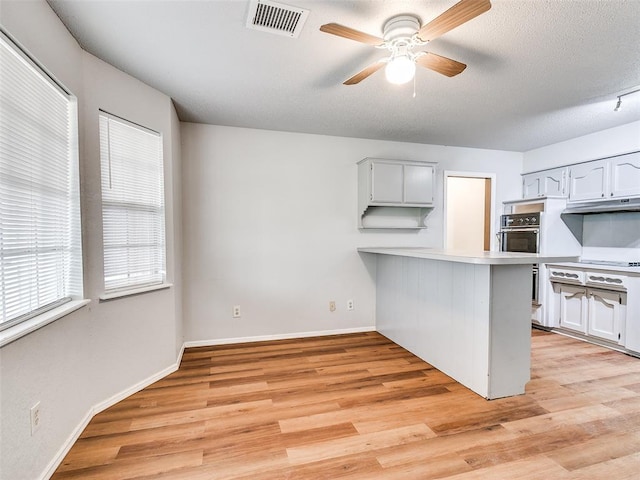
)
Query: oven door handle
[{"x": 524, "y": 229}]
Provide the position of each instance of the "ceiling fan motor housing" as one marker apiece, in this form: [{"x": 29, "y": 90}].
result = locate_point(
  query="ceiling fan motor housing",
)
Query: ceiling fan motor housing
[{"x": 401, "y": 28}]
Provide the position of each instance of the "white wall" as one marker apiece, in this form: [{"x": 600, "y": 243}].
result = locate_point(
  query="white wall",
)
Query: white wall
[
  {"x": 606, "y": 143},
  {"x": 97, "y": 353},
  {"x": 270, "y": 224}
]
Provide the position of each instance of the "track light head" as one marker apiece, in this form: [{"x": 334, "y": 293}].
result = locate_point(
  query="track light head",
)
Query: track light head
[{"x": 619, "y": 104}]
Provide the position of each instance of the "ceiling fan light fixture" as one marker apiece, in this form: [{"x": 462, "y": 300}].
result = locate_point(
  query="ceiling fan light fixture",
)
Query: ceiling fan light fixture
[{"x": 400, "y": 70}]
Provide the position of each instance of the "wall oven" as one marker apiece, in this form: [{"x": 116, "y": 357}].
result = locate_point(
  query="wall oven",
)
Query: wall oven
[{"x": 520, "y": 232}]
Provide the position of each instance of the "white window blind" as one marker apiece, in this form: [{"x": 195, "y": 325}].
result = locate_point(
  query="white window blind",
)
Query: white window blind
[
  {"x": 132, "y": 204},
  {"x": 40, "y": 253}
]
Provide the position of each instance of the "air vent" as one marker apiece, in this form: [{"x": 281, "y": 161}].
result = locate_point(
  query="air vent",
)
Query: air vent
[{"x": 276, "y": 18}]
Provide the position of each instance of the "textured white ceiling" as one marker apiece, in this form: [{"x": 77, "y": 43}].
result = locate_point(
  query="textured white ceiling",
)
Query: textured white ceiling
[{"x": 538, "y": 71}]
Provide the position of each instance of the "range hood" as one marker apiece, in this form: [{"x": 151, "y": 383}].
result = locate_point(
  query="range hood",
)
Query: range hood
[{"x": 604, "y": 206}]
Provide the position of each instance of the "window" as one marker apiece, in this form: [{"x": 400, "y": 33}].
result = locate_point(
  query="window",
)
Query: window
[
  {"x": 40, "y": 247},
  {"x": 132, "y": 205}
]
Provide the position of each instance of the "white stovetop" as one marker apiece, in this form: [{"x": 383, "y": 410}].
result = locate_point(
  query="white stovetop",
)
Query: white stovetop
[{"x": 477, "y": 257}]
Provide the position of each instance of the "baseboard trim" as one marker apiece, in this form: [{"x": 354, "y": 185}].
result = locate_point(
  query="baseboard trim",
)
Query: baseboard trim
[
  {"x": 66, "y": 446},
  {"x": 99, "y": 407},
  {"x": 286, "y": 336}
]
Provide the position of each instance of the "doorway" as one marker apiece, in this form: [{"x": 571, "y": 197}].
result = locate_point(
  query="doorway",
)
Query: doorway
[{"x": 468, "y": 207}]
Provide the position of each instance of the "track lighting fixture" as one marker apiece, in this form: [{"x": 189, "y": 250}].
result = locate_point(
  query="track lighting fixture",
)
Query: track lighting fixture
[{"x": 619, "y": 103}]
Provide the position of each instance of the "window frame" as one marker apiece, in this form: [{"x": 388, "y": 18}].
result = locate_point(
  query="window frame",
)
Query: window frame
[
  {"x": 70, "y": 286},
  {"x": 140, "y": 287}
]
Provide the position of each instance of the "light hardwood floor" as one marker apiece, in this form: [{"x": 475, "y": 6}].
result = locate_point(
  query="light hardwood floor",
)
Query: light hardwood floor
[{"x": 360, "y": 407}]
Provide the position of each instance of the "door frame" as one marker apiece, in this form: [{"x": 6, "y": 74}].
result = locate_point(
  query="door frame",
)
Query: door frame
[{"x": 493, "y": 243}]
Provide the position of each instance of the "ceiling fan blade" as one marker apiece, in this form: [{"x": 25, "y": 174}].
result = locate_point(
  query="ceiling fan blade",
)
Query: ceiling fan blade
[
  {"x": 371, "y": 69},
  {"x": 351, "y": 34},
  {"x": 460, "y": 13},
  {"x": 440, "y": 64}
]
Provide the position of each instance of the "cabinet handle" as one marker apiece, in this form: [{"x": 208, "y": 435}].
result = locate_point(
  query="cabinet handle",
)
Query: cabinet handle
[
  {"x": 572, "y": 275},
  {"x": 597, "y": 279},
  {"x": 578, "y": 294},
  {"x": 558, "y": 274},
  {"x": 613, "y": 280}
]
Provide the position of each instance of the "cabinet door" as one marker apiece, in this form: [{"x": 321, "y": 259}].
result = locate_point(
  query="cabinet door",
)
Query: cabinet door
[
  {"x": 553, "y": 182},
  {"x": 531, "y": 186},
  {"x": 573, "y": 308},
  {"x": 587, "y": 181},
  {"x": 625, "y": 175},
  {"x": 605, "y": 314},
  {"x": 545, "y": 183},
  {"x": 418, "y": 184},
  {"x": 386, "y": 182}
]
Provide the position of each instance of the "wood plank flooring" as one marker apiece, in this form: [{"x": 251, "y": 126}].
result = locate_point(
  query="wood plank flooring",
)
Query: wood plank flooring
[{"x": 359, "y": 407}]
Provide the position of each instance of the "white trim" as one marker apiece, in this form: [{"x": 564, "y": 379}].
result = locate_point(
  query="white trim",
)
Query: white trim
[
  {"x": 99, "y": 407},
  {"x": 24, "y": 328},
  {"x": 118, "y": 397},
  {"x": 134, "y": 291},
  {"x": 286, "y": 336}
]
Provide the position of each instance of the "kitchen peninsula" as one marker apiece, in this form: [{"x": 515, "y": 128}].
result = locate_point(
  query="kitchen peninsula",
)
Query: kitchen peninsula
[{"x": 466, "y": 313}]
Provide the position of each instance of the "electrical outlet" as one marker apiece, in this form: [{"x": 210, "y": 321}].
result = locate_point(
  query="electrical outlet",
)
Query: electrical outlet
[
  {"x": 332, "y": 306},
  {"x": 236, "y": 311},
  {"x": 35, "y": 418},
  {"x": 349, "y": 304}
]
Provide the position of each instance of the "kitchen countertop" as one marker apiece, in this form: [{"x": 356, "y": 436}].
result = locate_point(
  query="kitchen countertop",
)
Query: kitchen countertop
[
  {"x": 476, "y": 257},
  {"x": 634, "y": 271}
]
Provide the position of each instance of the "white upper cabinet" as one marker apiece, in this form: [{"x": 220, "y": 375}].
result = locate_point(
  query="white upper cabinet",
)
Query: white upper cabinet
[
  {"x": 394, "y": 193},
  {"x": 396, "y": 182},
  {"x": 548, "y": 183},
  {"x": 625, "y": 176},
  {"x": 418, "y": 184},
  {"x": 387, "y": 182},
  {"x": 615, "y": 177},
  {"x": 588, "y": 181}
]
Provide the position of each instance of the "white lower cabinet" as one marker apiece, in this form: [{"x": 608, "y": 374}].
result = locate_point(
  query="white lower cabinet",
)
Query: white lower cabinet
[
  {"x": 606, "y": 313},
  {"x": 573, "y": 307},
  {"x": 592, "y": 312}
]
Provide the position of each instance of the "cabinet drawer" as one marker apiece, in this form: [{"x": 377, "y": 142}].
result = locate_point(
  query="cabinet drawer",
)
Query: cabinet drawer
[
  {"x": 566, "y": 276},
  {"x": 605, "y": 280}
]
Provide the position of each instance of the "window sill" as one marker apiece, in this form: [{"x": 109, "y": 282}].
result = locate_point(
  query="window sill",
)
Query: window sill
[
  {"x": 24, "y": 328},
  {"x": 133, "y": 291}
]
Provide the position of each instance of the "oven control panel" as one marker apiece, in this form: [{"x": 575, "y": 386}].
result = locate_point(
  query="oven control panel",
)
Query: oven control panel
[{"x": 520, "y": 220}]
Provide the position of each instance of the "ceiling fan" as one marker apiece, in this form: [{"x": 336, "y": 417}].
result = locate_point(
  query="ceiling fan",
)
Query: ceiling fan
[{"x": 402, "y": 33}]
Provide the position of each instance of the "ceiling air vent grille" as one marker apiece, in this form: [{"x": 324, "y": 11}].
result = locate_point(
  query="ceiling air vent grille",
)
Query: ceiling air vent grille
[{"x": 276, "y": 18}]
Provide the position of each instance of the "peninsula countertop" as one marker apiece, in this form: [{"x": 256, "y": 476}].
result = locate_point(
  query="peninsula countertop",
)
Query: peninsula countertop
[{"x": 477, "y": 257}]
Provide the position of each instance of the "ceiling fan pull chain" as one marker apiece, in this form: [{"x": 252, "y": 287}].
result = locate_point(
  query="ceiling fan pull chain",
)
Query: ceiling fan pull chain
[{"x": 414, "y": 86}]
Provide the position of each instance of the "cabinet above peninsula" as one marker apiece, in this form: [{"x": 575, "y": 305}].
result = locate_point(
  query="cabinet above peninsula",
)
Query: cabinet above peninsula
[{"x": 394, "y": 193}]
